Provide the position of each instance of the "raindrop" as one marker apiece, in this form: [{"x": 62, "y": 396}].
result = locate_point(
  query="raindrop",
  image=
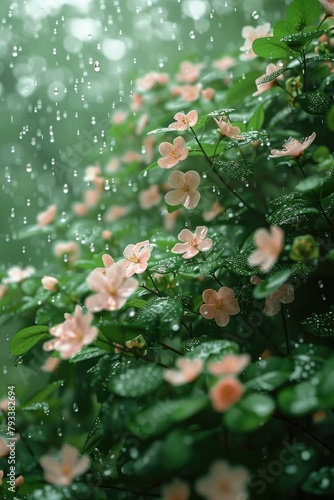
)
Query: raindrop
[
  {"x": 255, "y": 15},
  {"x": 75, "y": 407},
  {"x": 96, "y": 66}
]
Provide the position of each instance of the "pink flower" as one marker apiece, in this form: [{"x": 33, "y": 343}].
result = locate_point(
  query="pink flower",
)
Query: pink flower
[
  {"x": 19, "y": 481},
  {"x": 115, "y": 212},
  {"x": 150, "y": 197},
  {"x": 227, "y": 129},
  {"x": 172, "y": 153},
  {"x": 190, "y": 369},
  {"x": 136, "y": 257},
  {"x": 4, "y": 450},
  {"x": 131, "y": 156},
  {"x": 119, "y": 117},
  {"x": 230, "y": 365},
  {"x": 219, "y": 305},
  {"x": 62, "y": 472},
  {"x": 1, "y": 477},
  {"x": 152, "y": 79},
  {"x": 50, "y": 283},
  {"x": 112, "y": 165},
  {"x": 106, "y": 234},
  {"x": 269, "y": 246},
  {"x": 224, "y": 482},
  {"x": 215, "y": 210},
  {"x": 112, "y": 289},
  {"x": 189, "y": 72},
  {"x": 185, "y": 185},
  {"x": 225, "y": 393},
  {"x": 70, "y": 248},
  {"x": 50, "y": 365},
  {"x": 108, "y": 262},
  {"x": 45, "y": 218},
  {"x": 92, "y": 174},
  {"x": 92, "y": 196},
  {"x": 250, "y": 34},
  {"x": 80, "y": 209},
  {"x": 224, "y": 63},
  {"x": 285, "y": 294},
  {"x": 292, "y": 147},
  {"x": 183, "y": 122},
  {"x": 176, "y": 490},
  {"x": 190, "y": 93},
  {"x": 328, "y": 5},
  {"x": 263, "y": 87},
  {"x": 208, "y": 94},
  {"x": 16, "y": 274},
  {"x": 71, "y": 335},
  {"x": 137, "y": 101},
  {"x": 3, "y": 290},
  {"x": 193, "y": 242}
]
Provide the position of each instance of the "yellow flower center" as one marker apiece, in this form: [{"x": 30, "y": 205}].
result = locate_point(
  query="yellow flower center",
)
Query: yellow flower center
[
  {"x": 224, "y": 486},
  {"x": 174, "y": 154}
]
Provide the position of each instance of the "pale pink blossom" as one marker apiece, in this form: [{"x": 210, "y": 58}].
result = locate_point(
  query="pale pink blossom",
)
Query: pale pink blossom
[
  {"x": 50, "y": 283},
  {"x": 231, "y": 364},
  {"x": 136, "y": 258},
  {"x": 4, "y": 405},
  {"x": 215, "y": 210},
  {"x": 142, "y": 122},
  {"x": 250, "y": 34},
  {"x": 150, "y": 197},
  {"x": 219, "y": 305},
  {"x": 225, "y": 393},
  {"x": 193, "y": 242},
  {"x": 16, "y": 274},
  {"x": 292, "y": 147},
  {"x": 119, "y": 117},
  {"x": 263, "y": 87},
  {"x": 170, "y": 218},
  {"x": 80, "y": 209},
  {"x": 1, "y": 477},
  {"x": 152, "y": 79},
  {"x": 73, "y": 334},
  {"x": 4, "y": 450},
  {"x": 175, "y": 90},
  {"x": 285, "y": 294},
  {"x": 93, "y": 196},
  {"x": 184, "y": 189},
  {"x": 3, "y": 290},
  {"x": 148, "y": 149},
  {"x": 113, "y": 165},
  {"x": 93, "y": 174},
  {"x": 45, "y": 218},
  {"x": 176, "y": 490},
  {"x": 69, "y": 248},
  {"x": 189, "y": 72},
  {"x": 269, "y": 246},
  {"x": 106, "y": 234},
  {"x": 184, "y": 121},
  {"x": 189, "y": 370},
  {"x": 190, "y": 93},
  {"x": 19, "y": 481},
  {"x": 108, "y": 262},
  {"x": 208, "y": 94},
  {"x": 224, "y": 482},
  {"x": 137, "y": 101},
  {"x": 328, "y": 5},
  {"x": 62, "y": 472},
  {"x": 115, "y": 212},
  {"x": 50, "y": 365},
  {"x": 224, "y": 63},
  {"x": 172, "y": 153},
  {"x": 131, "y": 156},
  {"x": 227, "y": 129},
  {"x": 113, "y": 289}
]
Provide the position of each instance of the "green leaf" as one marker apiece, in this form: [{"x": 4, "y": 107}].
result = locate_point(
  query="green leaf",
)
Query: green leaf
[
  {"x": 87, "y": 352},
  {"x": 320, "y": 482},
  {"x": 239, "y": 264},
  {"x": 315, "y": 103},
  {"x": 159, "y": 131},
  {"x": 24, "y": 340},
  {"x": 44, "y": 394},
  {"x": 321, "y": 325},
  {"x": 251, "y": 412},
  {"x": 248, "y": 138},
  {"x": 300, "y": 399},
  {"x": 173, "y": 208},
  {"x": 271, "y": 47},
  {"x": 272, "y": 76},
  {"x": 137, "y": 381},
  {"x": 176, "y": 450},
  {"x": 165, "y": 266},
  {"x": 302, "y": 13},
  {"x": 241, "y": 170},
  {"x": 161, "y": 315},
  {"x": 326, "y": 385},
  {"x": 292, "y": 214},
  {"x": 268, "y": 374},
  {"x": 309, "y": 184},
  {"x": 257, "y": 119},
  {"x": 297, "y": 40},
  {"x": 270, "y": 284},
  {"x": 216, "y": 349},
  {"x": 160, "y": 416}
]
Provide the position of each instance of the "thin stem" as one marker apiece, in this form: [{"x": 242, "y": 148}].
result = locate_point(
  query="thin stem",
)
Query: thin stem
[
  {"x": 268, "y": 339},
  {"x": 285, "y": 331},
  {"x": 149, "y": 290},
  {"x": 166, "y": 346},
  {"x": 137, "y": 355},
  {"x": 153, "y": 283}
]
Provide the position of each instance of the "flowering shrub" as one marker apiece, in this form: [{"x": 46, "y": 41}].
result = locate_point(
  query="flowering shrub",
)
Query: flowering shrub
[{"x": 210, "y": 374}]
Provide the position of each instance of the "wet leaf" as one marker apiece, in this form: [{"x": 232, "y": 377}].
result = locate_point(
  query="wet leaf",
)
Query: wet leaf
[
  {"x": 321, "y": 325},
  {"x": 241, "y": 170},
  {"x": 272, "y": 283},
  {"x": 24, "y": 340},
  {"x": 251, "y": 412},
  {"x": 216, "y": 349},
  {"x": 136, "y": 381}
]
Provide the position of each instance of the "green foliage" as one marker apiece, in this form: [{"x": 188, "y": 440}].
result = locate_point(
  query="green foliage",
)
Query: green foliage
[{"x": 26, "y": 339}]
